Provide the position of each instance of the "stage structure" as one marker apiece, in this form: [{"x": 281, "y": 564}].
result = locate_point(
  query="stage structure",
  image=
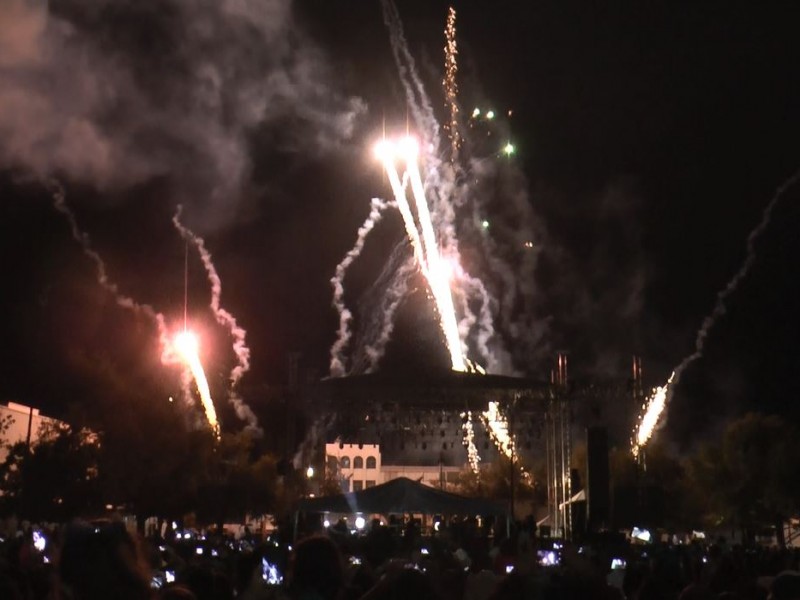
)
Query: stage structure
[
  {"x": 558, "y": 421},
  {"x": 419, "y": 419}
]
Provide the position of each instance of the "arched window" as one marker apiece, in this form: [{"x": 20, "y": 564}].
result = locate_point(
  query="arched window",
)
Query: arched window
[
  {"x": 358, "y": 462},
  {"x": 371, "y": 462},
  {"x": 345, "y": 462}
]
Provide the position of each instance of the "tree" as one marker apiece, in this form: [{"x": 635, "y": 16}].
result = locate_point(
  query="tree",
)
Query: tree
[
  {"x": 494, "y": 481},
  {"x": 56, "y": 479},
  {"x": 752, "y": 477},
  {"x": 235, "y": 485}
]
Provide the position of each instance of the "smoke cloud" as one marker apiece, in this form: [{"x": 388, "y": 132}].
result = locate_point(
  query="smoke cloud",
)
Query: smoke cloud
[{"x": 115, "y": 93}]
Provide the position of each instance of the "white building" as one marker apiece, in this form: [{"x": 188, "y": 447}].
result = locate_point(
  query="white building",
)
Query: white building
[
  {"x": 359, "y": 467},
  {"x": 17, "y": 423}
]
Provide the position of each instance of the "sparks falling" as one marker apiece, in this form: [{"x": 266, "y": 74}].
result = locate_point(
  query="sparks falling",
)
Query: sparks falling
[
  {"x": 450, "y": 84},
  {"x": 469, "y": 440},
  {"x": 188, "y": 347},
  {"x": 497, "y": 426},
  {"x": 227, "y": 320},
  {"x": 426, "y": 248}
]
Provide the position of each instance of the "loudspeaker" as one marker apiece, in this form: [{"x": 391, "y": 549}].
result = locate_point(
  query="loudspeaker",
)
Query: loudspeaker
[{"x": 597, "y": 473}]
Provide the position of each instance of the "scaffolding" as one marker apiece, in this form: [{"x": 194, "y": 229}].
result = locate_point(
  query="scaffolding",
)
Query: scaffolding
[{"x": 558, "y": 422}]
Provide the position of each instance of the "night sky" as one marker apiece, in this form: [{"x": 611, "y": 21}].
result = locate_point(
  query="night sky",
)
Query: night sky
[{"x": 649, "y": 140}]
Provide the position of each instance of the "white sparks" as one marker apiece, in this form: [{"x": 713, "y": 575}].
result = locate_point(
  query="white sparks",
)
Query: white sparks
[
  {"x": 648, "y": 421},
  {"x": 188, "y": 346},
  {"x": 469, "y": 438}
]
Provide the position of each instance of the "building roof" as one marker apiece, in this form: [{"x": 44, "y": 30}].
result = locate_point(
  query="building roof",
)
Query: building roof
[{"x": 402, "y": 495}]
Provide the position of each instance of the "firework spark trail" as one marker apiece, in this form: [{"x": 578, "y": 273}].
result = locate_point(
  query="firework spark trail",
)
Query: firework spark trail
[
  {"x": 187, "y": 345},
  {"x": 60, "y": 204},
  {"x": 385, "y": 152},
  {"x": 651, "y": 418},
  {"x": 451, "y": 84},
  {"x": 437, "y": 274},
  {"x": 228, "y": 321},
  {"x": 338, "y": 366},
  {"x": 473, "y": 457},
  {"x": 496, "y": 425},
  {"x": 388, "y": 293},
  {"x": 652, "y": 412},
  {"x": 439, "y": 178}
]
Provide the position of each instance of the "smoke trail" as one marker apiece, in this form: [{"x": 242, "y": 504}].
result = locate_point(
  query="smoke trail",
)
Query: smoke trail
[
  {"x": 651, "y": 419},
  {"x": 228, "y": 321},
  {"x": 60, "y": 204},
  {"x": 308, "y": 446},
  {"x": 416, "y": 97},
  {"x": 170, "y": 354},
  {"x": 733, "y": 284},
  {"x": 379, "y": 306},
  {"x": 338, "y": 367}
]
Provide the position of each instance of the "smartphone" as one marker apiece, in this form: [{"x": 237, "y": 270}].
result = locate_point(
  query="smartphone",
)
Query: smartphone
[
  {"x": 509, "y": 569},
  {"x": 618, "y": 563},
  {"x": 270, "y": 573},
  {"x": 169, "y": 576},
  {"x": 548, "y": 558},
  {"x": 39, "y": 541},
  {"x": 355, "y": 560},
  {"x": 424, "y": 551}
]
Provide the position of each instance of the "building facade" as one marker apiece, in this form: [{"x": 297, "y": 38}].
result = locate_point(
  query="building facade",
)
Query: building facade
[{"x": 360, "y": 466}]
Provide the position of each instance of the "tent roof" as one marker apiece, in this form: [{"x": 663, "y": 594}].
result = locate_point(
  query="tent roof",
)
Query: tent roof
[{"x": 401, "y": 495}]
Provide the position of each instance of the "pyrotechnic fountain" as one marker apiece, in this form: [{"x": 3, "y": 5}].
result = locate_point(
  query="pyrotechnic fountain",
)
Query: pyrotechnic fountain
[
  {"x": 227, "y": 320},
  {"x": 653, "y": 411},
  {"x": 426, "y": 194},
  {"x": 426, "y": 249},
  {"x": 182, "y": 348},
  {"x": 188, "y": 346}
]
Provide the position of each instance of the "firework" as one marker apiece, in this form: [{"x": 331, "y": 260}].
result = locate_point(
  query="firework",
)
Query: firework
[
  {"x": 450, "y": 84},
  {"x": 469, "y": 439},
  {"x": 438, "y": 274},
  {"x": 653, "y": 409},
  {"x": 188, "y": 346},
  {"x": 227, "y": 320},
  {"x": 497, "y": 426},
  {"x": 425, "y": 245}
]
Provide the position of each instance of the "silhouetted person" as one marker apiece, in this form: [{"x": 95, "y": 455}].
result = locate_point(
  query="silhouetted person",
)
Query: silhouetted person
[
  {"x": 102, "y": 562},
  {"x": 317, "y": 570}
]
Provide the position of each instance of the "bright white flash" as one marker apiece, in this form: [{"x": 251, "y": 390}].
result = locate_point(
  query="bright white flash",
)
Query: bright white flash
[{"x": 188, "y": 346}]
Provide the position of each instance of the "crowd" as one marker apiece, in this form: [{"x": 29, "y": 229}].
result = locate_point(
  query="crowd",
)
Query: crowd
[{"x": 460, "y": 561}]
